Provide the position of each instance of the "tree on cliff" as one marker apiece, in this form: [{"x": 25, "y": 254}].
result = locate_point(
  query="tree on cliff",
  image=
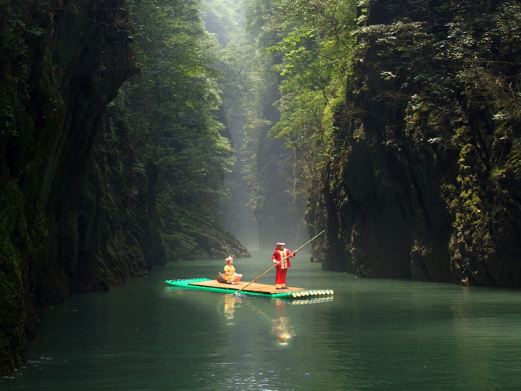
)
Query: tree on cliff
[{"x": 172, "y": 108}]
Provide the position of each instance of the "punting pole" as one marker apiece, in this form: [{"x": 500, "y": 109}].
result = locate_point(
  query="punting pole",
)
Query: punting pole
[{"x": 272, "y": 266}]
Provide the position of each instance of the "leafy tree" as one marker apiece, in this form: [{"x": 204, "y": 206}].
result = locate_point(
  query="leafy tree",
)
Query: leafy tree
[
  {"x": 311, "y": 42},
  {"x": 172, "y": 108}
]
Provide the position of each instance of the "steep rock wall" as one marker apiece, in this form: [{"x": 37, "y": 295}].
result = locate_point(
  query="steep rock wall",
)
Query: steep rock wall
[
  {"x": 115, "y": 223},
  {"x": 61, "y": 62},
  {"x": 79, "y": 205},
  {"x": 425, "y": 170}
]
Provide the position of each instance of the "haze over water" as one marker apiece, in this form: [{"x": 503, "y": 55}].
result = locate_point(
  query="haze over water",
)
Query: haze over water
[{"x": 374, "y": 335}]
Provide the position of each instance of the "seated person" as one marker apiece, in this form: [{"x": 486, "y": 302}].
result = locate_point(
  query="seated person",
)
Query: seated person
[{"x": 229, "y": 276}]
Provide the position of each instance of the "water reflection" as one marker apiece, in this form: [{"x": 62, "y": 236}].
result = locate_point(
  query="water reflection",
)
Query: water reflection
[
  {"x": 229, "y": 306},
  {"x": 281, "y": 326},
  {"x": 280, "y": 323},
  {"x": 312, "y": 300}
]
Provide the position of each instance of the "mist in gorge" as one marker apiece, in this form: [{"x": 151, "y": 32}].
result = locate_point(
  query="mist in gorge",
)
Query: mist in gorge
[
  {"x": 225, "y": 21},
  {"x": 261, "y": 207}
]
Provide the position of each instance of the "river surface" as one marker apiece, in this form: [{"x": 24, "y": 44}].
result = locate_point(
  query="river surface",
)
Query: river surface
[{"x": 374, "y": 335}]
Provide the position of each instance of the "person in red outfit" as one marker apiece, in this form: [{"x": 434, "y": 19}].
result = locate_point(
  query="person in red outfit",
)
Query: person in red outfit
[{"x": 281, "y": 257}]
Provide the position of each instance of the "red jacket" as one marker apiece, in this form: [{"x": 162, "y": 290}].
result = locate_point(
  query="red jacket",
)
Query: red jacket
[{"x": 282, "y": 260}]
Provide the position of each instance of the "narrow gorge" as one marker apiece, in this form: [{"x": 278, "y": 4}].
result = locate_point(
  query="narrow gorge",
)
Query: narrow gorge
[{"x": 134, "y": 133}]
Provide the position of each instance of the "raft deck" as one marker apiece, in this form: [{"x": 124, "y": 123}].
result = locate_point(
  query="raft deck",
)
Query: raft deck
[{"x": 253, "y": 289}]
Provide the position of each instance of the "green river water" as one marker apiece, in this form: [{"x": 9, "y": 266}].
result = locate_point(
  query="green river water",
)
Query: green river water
[{"x": 374, "y": 335}]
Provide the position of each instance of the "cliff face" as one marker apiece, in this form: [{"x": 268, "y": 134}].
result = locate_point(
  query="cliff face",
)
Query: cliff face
[
  {"x": 60, "y": 64},
  {"x": 425, "y": 171},
  {"x": 79, "y": 205},
  {"x": 115, "y": 224}
]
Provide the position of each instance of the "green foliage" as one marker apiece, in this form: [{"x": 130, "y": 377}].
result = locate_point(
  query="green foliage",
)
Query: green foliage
[
  {"x": 172, "y": 108},
  {"x": 12, "y": 311},
  {"x": 222, "y": 18},
  {"x": 258, "y": 13},
  {"x": 312, "y": 42},
  {"x": 14, "y": 72}
]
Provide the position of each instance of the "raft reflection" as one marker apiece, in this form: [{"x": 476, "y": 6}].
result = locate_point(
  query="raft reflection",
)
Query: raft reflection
[
  {"x": 281, "y": 326},
  {"x": 313, "y": 300}
]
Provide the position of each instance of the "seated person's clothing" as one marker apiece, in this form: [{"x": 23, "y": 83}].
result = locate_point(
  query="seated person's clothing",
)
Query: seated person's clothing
[{"x": 229, "y": 273}]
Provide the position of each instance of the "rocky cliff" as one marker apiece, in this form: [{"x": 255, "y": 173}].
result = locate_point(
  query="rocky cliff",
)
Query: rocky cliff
[
  {"x": 78, "y": 211},
  {"x": 425, "y": 171},
  {"x": 60, "y": 64}
]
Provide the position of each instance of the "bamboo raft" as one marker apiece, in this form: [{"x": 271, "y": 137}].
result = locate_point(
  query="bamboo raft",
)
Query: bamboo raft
[{"x": 252, "y": 289}]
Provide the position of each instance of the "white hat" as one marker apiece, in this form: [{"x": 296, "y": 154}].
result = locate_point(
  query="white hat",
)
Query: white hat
[
  {"x": 281, "y": 244},
  {"x": 230, "y": 258}
]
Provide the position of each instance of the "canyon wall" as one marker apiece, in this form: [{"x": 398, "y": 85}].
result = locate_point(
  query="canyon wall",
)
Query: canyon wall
[{"x": 425, "y": 169}]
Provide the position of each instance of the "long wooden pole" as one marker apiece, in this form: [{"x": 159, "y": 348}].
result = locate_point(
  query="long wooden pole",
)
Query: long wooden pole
[{"x": 272, "y": 266}]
